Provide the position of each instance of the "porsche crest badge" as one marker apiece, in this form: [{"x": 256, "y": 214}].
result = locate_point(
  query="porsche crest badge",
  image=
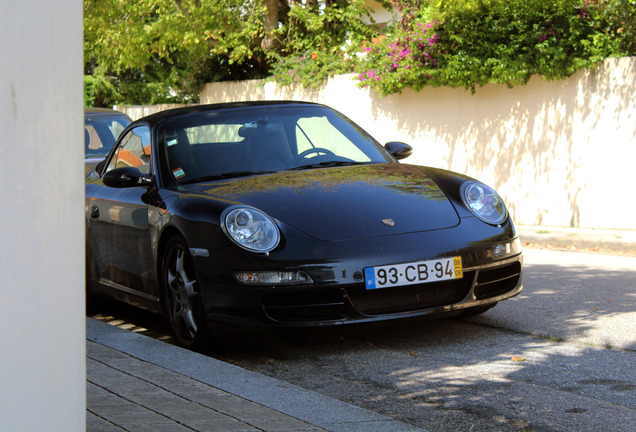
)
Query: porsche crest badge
[{"x": 388, "y": 222}]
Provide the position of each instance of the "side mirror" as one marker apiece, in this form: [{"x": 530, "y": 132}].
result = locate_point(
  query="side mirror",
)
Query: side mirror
[
  {"x": 125, "y": 177},
  {"x": 398, "y": 150},
  {"x": 100, "y": 166}
]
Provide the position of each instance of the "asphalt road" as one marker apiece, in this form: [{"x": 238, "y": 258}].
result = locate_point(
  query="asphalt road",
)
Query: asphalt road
[{"x": 559, "y": 357}]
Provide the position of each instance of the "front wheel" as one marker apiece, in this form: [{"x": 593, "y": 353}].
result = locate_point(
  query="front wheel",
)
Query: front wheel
[{"x": 181, "y": 297}]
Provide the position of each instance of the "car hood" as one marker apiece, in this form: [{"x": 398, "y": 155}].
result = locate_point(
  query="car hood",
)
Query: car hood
[{"x": 343, "y": 203}]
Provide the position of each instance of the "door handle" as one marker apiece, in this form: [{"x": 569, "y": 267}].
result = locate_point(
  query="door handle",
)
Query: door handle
[{"x": 94, "y": 212}]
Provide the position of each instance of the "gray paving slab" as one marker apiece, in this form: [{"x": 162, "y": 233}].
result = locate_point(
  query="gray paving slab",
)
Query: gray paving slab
[{"x": 136, "y": 383}]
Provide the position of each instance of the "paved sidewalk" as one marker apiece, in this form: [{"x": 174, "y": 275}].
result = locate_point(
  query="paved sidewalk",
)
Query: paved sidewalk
[
  {"x": 597, "y": 240},
  {"x": 138, "y": 384}
]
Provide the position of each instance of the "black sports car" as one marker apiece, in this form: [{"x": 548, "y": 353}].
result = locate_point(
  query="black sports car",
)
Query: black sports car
[{"x": 287, "y": 214}]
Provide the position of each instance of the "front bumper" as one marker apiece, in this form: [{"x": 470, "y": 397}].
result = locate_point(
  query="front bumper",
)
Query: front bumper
[
  {"x": 338, "y": 295},
  {"x": 322, "y": 306}
]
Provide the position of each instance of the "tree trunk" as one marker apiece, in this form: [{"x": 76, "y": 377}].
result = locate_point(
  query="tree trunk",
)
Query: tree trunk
[{"x": 271, "y": 41}]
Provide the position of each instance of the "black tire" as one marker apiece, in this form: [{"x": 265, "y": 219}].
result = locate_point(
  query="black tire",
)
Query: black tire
[{"x": 181, "y": 297}]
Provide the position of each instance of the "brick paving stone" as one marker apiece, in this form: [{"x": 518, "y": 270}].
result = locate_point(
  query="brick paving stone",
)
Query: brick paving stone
[
  {"x": 137, "y": 384},
  {"x": 98, "y": 424},
  {"x": 126, "y": 394}
]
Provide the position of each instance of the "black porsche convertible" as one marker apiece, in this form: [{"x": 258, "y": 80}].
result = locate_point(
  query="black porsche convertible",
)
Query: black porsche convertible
[{"x": 287, "y": 214}]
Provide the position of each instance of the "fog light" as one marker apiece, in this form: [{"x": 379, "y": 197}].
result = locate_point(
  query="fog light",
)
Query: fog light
[
  {"x": 504, "y": 250},
  {"x": 501, "y": 250},
  {"x": 273, "y": 278}
]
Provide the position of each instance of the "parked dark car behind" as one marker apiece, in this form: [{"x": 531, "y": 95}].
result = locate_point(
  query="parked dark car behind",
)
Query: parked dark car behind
[
  {"x": 102, "y": 127},
  {"x": 287, "y": 214}
]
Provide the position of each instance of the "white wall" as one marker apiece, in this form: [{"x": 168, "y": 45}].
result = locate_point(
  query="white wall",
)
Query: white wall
[
  {"x": 42, "y": 324},
  {"x": 380, "y": 15},
  {"x": 560, "y": 153}
]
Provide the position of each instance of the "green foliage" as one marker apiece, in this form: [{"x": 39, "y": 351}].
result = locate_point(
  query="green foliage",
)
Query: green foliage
[
  {"x": 470, "y": 43},
  {"x": 89, "y": 91},
  {"x": 155, "y": 51},
  {"x": 406, "y": 59},
  {"x": 318, "y": 44},
  {"x": 311, "y": 68},
  {"x": 622, "y": 15},
  {"x": 97, "y": 88}
]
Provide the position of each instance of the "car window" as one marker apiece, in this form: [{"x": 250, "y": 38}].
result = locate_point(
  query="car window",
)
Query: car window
[
  {"x": 117, "y": 126},
  {"x": 318, "y": 132},
  {"x": 101, "y": 132},
  {"x": 94, "y": 143},
  {"x": 214, "y": 133},
  {"x": 253, "y": 140},
  {"x": 134, "y": 151}
]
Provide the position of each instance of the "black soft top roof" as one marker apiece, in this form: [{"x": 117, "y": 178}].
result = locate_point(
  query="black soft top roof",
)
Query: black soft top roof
[{"x": 159, "y": 116}]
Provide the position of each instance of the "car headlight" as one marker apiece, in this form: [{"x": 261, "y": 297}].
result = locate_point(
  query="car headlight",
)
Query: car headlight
[
  {"x": 484, "y": 202},
  {"x": 251, "y": 229}
]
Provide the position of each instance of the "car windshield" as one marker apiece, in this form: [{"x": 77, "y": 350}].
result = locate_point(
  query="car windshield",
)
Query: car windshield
[
  {"x": 254, "y": 140},
  {"x": 101, "y": 131}
]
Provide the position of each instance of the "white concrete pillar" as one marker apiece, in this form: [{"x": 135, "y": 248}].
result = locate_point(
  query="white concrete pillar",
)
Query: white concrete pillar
[{"x": 42, "y": 324}]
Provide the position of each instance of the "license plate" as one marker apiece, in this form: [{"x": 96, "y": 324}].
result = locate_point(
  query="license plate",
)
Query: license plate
[{"x": 413, "y": 273}]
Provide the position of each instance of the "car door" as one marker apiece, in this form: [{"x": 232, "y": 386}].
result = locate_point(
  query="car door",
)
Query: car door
[{"x": 119, "y": 220}]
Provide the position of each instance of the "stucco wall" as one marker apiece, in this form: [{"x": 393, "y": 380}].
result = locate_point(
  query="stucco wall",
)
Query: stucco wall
[
  {"x": 560, "y": 153},
  {"x": 42, "y": 311}
]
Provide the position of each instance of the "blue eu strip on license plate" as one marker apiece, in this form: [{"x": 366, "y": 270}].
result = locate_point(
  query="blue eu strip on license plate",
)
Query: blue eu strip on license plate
[{"x": 417, "y": 272}]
